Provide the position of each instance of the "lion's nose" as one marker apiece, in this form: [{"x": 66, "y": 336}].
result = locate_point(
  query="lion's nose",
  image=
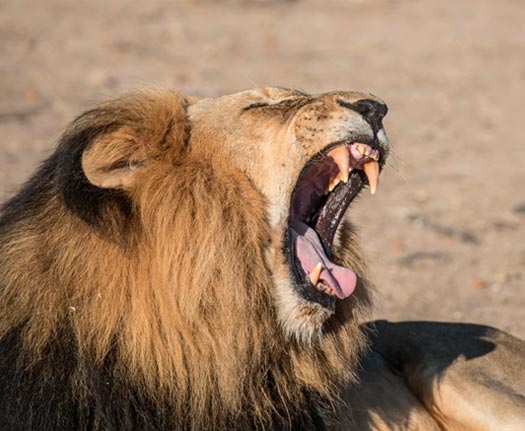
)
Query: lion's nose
[{"x": 371, "y": 110}]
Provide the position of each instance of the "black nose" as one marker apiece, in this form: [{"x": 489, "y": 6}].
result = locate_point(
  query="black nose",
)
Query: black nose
[{"x": 371, "y": 110}]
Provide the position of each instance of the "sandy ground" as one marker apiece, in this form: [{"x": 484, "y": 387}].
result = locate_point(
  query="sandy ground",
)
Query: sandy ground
[{"x": 446, "y": 232}]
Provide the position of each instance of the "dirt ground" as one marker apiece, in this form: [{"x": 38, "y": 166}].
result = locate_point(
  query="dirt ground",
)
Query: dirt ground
[{"x": 445, "y": 234}]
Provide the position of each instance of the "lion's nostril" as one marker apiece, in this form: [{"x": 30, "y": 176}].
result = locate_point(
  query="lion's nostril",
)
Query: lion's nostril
[{"x": 371, "y": 110}]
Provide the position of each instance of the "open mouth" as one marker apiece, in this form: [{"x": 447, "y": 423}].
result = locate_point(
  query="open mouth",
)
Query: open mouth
[{"x": 326, "y": 186}]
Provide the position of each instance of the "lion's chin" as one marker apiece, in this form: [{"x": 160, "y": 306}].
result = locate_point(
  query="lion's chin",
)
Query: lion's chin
[
  {"x": 300, "y": 319},
  {"x": 326, "y": 187}
]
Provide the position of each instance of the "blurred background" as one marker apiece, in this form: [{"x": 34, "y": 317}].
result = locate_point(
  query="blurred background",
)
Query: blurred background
[{"x": 445, "y": 234}]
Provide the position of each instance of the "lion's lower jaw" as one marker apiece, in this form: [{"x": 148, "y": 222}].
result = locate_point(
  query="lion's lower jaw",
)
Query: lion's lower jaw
[{"x": 300, "y": 319}]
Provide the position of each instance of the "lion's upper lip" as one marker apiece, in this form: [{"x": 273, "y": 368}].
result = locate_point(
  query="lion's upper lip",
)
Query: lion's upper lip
[{"x": 325, "y": 189}]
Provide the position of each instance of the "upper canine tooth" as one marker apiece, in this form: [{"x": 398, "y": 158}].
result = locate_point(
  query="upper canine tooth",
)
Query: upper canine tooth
[
  {"x": 361, "y": 149},
  {"x": 341, "y": 158},
  {"x": 368, "y": 150},
  {"x": 371, "y": 169},
  {"x": 333, "y": 183},
  {"x": 316, "y": 272}
]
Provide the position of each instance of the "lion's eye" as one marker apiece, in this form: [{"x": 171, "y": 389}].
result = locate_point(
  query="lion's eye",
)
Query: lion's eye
[{"x": 255, "y": 105}]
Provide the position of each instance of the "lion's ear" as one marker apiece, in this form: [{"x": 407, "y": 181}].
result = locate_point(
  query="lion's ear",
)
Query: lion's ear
[{"x": 112, "y": 160}]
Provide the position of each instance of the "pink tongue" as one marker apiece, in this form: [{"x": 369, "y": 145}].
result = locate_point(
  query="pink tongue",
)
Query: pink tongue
[{"x": 310, "y": 252}]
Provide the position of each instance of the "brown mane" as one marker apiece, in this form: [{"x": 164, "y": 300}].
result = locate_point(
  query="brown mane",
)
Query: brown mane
[{"x": 167, "y": 283}]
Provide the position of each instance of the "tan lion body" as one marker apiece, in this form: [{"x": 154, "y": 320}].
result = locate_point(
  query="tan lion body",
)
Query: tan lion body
[
  {"x": 143, "y": 282},
  {"x": 440, "y": 376}
]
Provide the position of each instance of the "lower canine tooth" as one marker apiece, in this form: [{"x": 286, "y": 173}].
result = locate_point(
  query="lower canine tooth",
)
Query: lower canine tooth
[
  {"x": 371, "y": 169},
  {"x": 316, "y": 272}
]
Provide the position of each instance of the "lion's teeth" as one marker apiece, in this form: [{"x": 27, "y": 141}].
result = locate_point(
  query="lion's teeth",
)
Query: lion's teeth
[
  {"x": 361, "y": 149},
  {"x": 371, "y": 169},
  {"x": 333, "y": 183},
  {"x": 316, "y": 272},
  {"x": 341, "y": 158}
]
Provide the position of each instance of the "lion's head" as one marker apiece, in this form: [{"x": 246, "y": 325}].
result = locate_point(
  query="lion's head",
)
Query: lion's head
[{"x": 198, "y": 247}]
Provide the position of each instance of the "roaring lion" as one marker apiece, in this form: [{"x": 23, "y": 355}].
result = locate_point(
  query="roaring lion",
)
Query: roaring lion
[{"x": 186, "y": 264}]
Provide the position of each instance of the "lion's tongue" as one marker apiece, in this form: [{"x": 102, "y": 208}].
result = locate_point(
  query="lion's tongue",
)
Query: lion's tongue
[{"x": 310, "y": 252}]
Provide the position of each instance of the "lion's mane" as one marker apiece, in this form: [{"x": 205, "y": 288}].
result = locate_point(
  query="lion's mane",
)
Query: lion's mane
[{"x": 152, "y": 309}]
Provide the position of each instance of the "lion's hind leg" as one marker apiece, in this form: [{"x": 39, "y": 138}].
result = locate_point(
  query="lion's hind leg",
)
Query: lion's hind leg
[
  {"x": 469, "y": 377},
  {"x": 381, "y": 401}
]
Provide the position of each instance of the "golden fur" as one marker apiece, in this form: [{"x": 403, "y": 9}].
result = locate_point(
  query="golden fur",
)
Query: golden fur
[
  {"x": 180, "y": 273},
  {"x": 144, "y": 284}
]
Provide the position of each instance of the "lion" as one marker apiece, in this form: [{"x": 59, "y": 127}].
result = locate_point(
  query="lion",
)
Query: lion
[{"x": 188, "y": 264}]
